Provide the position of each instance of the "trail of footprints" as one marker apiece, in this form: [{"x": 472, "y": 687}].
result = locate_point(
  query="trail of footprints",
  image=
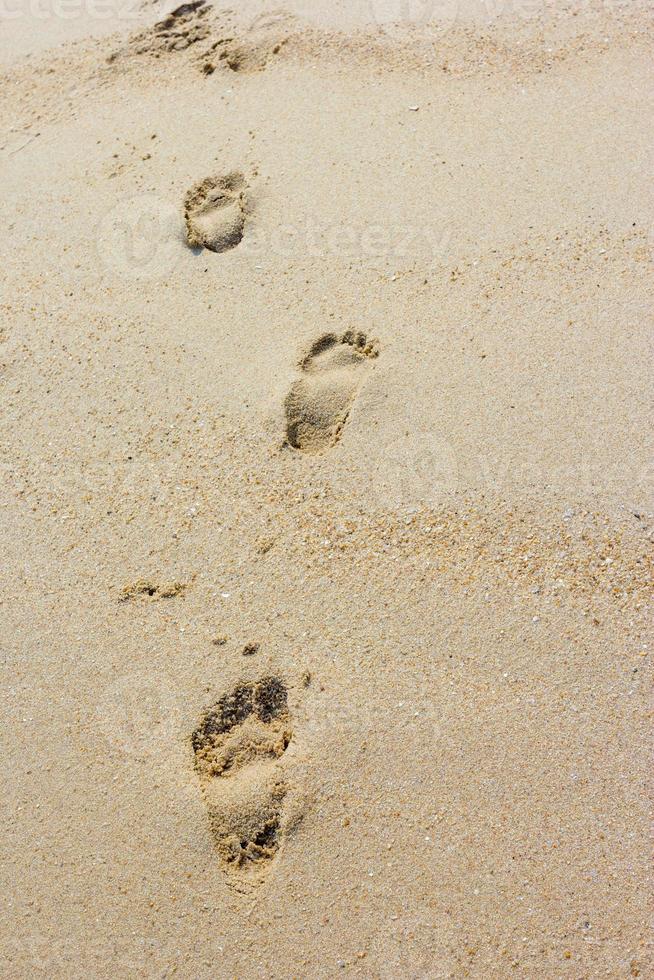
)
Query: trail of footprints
[
  {"x": 240, "y": 741},
  {"x": 334, "y": 368},
  {"x": 238, "y": 745}
]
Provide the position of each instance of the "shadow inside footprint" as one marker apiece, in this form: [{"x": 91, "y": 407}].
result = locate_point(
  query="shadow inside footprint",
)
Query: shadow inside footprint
[
  {"x": 236, "y": 746},
  {"x": 214, "y": 211},
  {"x": 318, "y": 404}
]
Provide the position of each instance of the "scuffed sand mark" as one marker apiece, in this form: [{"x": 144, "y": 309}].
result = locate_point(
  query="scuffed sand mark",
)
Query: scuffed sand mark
[
  {"x": 152, "y": 590},
  {"x": 183, "y": 27},
  {"x": 215, "y": 41}
]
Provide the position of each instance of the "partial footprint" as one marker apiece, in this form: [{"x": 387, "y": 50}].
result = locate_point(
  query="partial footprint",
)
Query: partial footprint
[
  {"x": 209, "y": 38},
  {"x": 318, "y": 405},
  {"x": 237, "y": 745},
  {"x": 179, "y": 30},
  {"x": 215, "y": 212},
  {"x": 183, "y": 27}
]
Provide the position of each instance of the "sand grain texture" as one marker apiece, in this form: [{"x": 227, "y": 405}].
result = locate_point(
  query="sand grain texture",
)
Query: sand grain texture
[{"x": 325, "y": 364}]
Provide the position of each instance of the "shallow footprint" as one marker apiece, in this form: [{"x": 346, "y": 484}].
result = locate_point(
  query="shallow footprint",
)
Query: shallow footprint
[
  {"x": 214, "y": 211},
  {"x": 318, "y": 405},
  {"x": 236, "y": 746}
]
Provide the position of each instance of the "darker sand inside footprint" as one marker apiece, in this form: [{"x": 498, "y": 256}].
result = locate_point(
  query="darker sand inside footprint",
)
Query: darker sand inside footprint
[
  {"x": 319, "y": 403},
  {"x": 214, "y": 211}
]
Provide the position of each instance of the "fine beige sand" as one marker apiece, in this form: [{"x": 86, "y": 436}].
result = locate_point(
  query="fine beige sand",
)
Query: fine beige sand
[{"x": 327, "y": 511}]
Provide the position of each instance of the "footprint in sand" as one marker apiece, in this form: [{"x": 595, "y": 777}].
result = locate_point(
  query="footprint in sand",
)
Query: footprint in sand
[
  {"x": 318, "y": 404},
  {"x": 182, "y": 28},
  {"x": 237, "y": 746},
  {"x": 214, "y": 211}
]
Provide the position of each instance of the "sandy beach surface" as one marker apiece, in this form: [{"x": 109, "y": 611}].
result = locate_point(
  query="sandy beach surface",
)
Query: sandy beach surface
[{"x": 327, "y": 510}]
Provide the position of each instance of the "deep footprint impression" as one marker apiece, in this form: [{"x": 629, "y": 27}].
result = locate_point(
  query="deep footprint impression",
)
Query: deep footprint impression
[
  {"x": 214, "y": 211},
  {"x": 237, "y": 745},
  {"x": 318, "y": 405}
]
